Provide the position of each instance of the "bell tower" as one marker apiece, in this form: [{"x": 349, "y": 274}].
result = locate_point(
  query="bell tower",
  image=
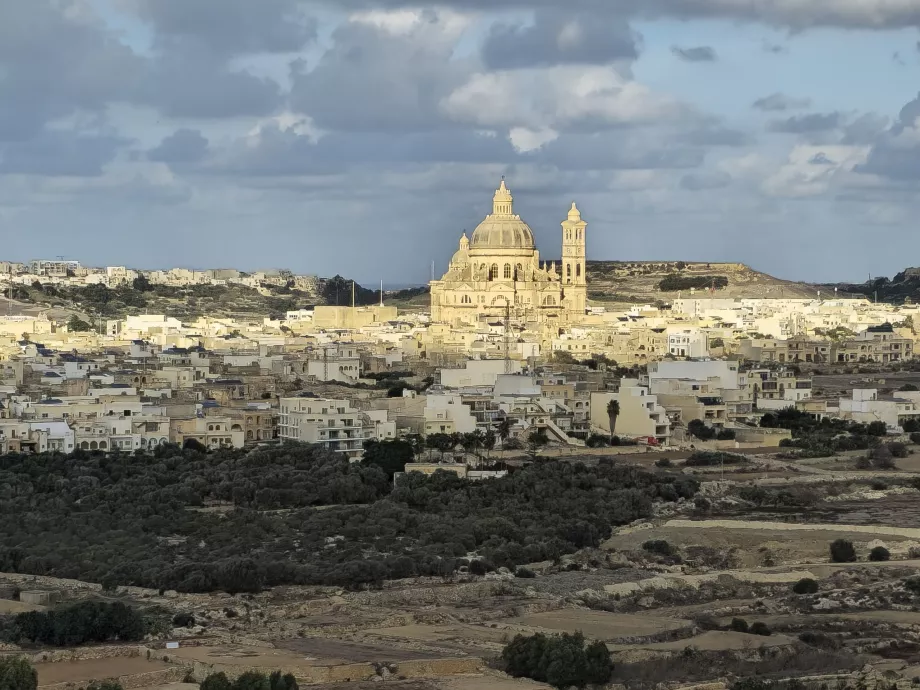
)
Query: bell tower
[{"x": 574, "y": 278}]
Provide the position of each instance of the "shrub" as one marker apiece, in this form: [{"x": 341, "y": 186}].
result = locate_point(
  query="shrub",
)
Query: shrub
[
  {"x": 560, "y": 660},
  {"x": 480, "y": 567},
  {"x": 16, "y": 673},
  {"x": 760, "y": 628},
  {"x": 658, "y": 546},
  {"x": 524, "y": 572},
  {"x": 915, "y": 438},
  {"x": 184, "y": 620},
  {"x": 817, "y": 639},
  {"x": 842, "y": 551},
  {"x": 726, "y": 435},
  {"x": 877, "y": 429},
  {"x": 882, "y": 457},
  {"x": 705, "y": 458},
  {"x": 87, "y": 621},
  {"x": 805, "y": 586},
  {"x": 663, "y": 462},
  {"x": 912, "y": 584},
  {"x": 879, "y": 553},
  {"x": 700, "y": 430},
  {"x": 739, "y": 625},
  {"x": 898, "y": 449},
  {"x": 216, "y": 681}
]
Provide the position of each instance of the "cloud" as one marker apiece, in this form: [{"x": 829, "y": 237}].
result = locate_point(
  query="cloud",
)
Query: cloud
[
  {"x": 230, "y": 27},
  {"x": 820, "y": 158},
  {"x": 773, "y": 48},
  {"x": 182, "y": 146},
  {"x": 696, "y": 54},
  {"x": 558, "y": 98},
  {"x": 807, "y": 124},
  {"x": 778, "y": 102},
  {"x": 383, "y": 74},
  {"x": 55, "y": 61},
  {"x": 895, "y": 153},
  {"x": 558, "y": 37},
  {"x": 58, "y": 153},
  {"x": 698, "y": 181}
]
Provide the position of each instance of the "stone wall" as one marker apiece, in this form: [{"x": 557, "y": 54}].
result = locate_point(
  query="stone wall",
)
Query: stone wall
[{"x": 136, "y": 680}]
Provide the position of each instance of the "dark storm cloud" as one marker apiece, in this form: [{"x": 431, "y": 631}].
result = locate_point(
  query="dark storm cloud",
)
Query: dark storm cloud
[
  {"x": 695, "y": 54},
  {"x": 807, "y": 124},
  {"x": 278, "y": 152},
  {"x": 194, "y": 84},
  {"x": 373, "y": 80},
  {"x": 698, "y": 181},
  {"x": 58, "y": 153},
  {"x": 895, "y": 153},
  {"x": 52, "y": 64},
  {"x": 559, "y": 37},
  {"x": 778, "y": 102},
  {"x": 796, "y": 14},
  {"x": 232, "y": 27},
  {"x": 182, "y": 146}
]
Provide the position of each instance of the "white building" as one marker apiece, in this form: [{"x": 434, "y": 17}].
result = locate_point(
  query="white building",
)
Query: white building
[
  {"x": 333, "y": 424},
  {"x": 477, "y": 372},
  {"x": 640, "y": 414},
  {"x": 688, "y": 342}
]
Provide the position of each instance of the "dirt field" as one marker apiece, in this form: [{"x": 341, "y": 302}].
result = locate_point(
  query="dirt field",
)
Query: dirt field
[
  {"x": 339, "y": 651},
  {"x": 96, "y": 669},
  {"x": 460, "y": 637},
  {"x": 712, "y": 641},
  {"x": 233, "y": 655},
  {"x": 9, "y": 606},
  {"x": 489, "y": 683},
  {"x": 599, "y": 624}
]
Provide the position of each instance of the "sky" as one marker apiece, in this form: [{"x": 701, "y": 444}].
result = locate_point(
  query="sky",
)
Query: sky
[{"x": 362, "y": 137}]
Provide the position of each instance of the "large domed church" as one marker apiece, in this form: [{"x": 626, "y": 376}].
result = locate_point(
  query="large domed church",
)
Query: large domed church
[{"x": 499, "y": 268}]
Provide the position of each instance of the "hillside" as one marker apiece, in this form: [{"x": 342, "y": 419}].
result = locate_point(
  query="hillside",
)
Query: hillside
[
  {"x": 642, "y": 281},
  {"x": 904, "y": 287}
]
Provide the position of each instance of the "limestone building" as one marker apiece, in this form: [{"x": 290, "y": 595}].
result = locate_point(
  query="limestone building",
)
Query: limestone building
[{"x": 499, "y": 267}]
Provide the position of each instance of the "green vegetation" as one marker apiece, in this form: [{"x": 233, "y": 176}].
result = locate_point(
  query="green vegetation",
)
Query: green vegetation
[
  {"x": 562, "y": 660},
  {"x": 842, "y": 551},
  {"x": 879, "y": 553},
  {"x": 137, "y": 519},
  {"x": 699, "y": 429},
  {"x": 78, "y": 325},
  {"x": 250, "y": 680},
  {"x": 822, "y": 438},
  {"x": 675, "y": 282},
  {"x": 16, "y": 673},
  {"x": 707, "y": 458},
  {"x": 805, "y": 586},
  {"x": 87, "y": 621}
]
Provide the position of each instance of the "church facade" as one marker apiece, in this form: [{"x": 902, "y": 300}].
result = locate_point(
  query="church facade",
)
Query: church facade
[{"x": 497, "y": 271}]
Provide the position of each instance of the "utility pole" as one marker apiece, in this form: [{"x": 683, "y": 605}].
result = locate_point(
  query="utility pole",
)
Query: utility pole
[{"x": 381, "y": 293}]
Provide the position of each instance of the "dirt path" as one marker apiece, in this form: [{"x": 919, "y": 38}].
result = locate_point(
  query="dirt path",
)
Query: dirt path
[{"x": 872, "y": 530}]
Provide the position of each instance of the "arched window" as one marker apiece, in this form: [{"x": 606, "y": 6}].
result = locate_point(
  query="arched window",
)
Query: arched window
[
  {"x": 507, "y": 271},
  {"x": 549, "y": 301},
  {"x": 520, "y": 272},
  {"x": 103, "y": 445},
  {"x": 466, "y": 299},
  {"x": 568, "y": 234},
  {"x": 568, "y": 270},
  {"x": 578, "y": 270},
  {"x": 493, "y": 272}
]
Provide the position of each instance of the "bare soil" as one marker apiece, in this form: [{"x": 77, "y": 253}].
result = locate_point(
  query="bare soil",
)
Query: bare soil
[
  {"x": 340, "y": 651},
  {"x": 94, "y": 669},
  {"x": 600, "y": 624}
]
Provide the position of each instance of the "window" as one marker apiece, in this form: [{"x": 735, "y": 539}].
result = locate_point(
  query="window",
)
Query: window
[
  {"x": 520, "y": 272},
  {"x": 507, "y": 271},
  {"x": 549, "y": 301},
  {"x": 568, "y": 270},
  {"x": 578, "y": 270},
  {"x": 466, "y": 299},
  {"x": 493, "y": 272}
]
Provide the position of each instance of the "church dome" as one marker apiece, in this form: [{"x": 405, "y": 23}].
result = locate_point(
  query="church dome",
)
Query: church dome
[{"x": 502, "y": 229}]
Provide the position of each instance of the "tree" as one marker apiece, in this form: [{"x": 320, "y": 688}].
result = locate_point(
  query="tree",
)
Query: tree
[
  {"x": 78, "y": 325},
  {"x": 805, "y": 586},
  {"x": 842, "y": 551},
  {"x": 141, "y": 284},
  {"x": 877, "y": 429},
  {"x": 879, "y": 553},
  {"x": 882, "y": 457},
  {"x": 440, "y": 442},
  {"x": 488, "y": 441},
  {"x": 536, "y": 440},
  {"x": 195, "y": 445},
  {"x": 252, "y": 680},
  {"x": 390, "y": 455},
  {"x": 504, "y": 428},
  {"x": 216, "y": 681},
  {"x": 613, "y": 411},
  {"x": 699, "y": 429},
  {"x": 562, "y": 660},
  {"x": 909, "y": 387},
  {"x": 16, "y": 673},
  {"x": 277, "y": 681}
]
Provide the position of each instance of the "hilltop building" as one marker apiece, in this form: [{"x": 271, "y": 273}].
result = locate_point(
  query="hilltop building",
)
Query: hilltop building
[{"x": 499, "y": 268}]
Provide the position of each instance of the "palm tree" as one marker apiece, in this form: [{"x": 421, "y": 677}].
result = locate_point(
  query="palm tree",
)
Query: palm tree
[
  {"x": 613, "y": 411},
  {"x": 504, "y": 428}
]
